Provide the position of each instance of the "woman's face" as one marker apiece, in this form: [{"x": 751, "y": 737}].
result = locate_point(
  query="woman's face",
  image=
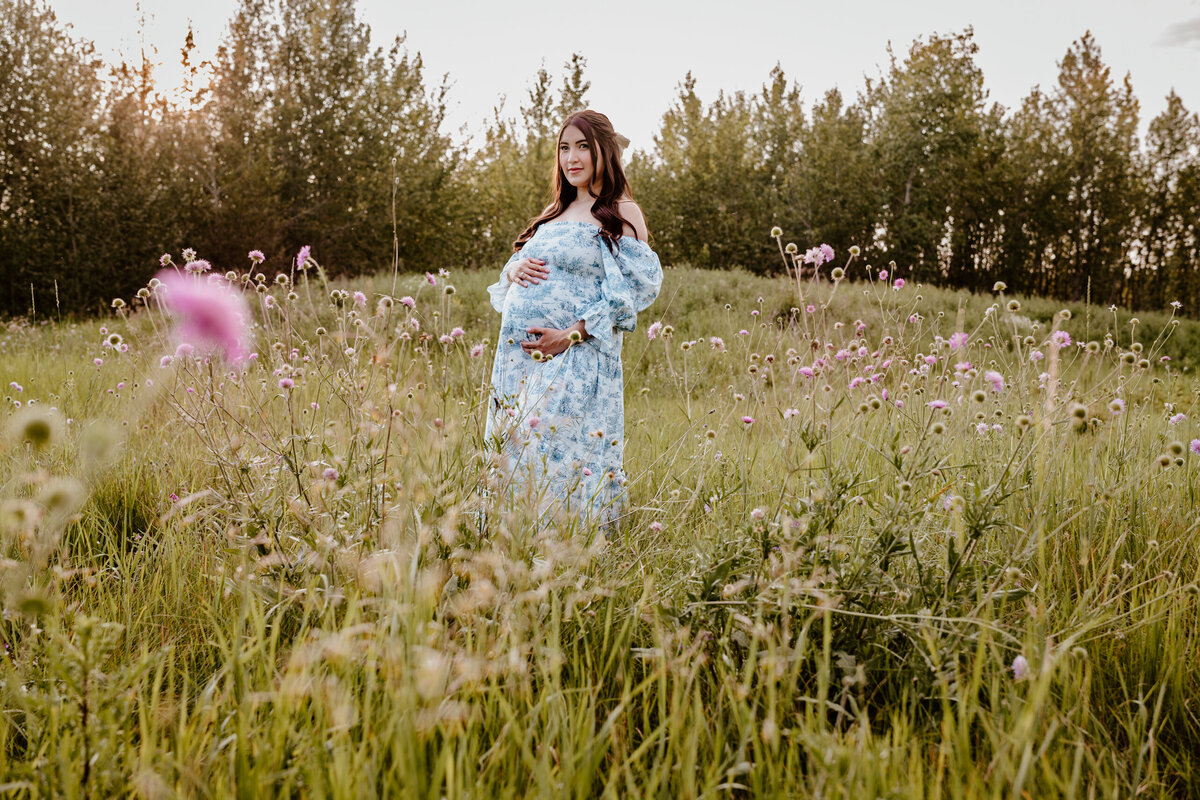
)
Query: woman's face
[{"x": 575, "y": 159}]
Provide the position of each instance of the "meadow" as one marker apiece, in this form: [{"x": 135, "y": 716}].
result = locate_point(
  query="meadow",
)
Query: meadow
[{"x": 883, "y": 540}]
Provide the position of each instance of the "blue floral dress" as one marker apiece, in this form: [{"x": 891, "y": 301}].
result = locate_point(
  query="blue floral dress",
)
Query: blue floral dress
[{"x": 561, "y": 422}]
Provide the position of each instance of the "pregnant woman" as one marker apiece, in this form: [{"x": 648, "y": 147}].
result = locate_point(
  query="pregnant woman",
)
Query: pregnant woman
[{"x": 577, "y": 278}]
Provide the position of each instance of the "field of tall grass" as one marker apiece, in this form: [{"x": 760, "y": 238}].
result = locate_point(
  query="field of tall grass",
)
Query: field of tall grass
[{"x": 883, "y": 541}]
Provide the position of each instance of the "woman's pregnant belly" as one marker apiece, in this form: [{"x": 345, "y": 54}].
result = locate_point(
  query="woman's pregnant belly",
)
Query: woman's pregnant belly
[{"x": 551, "y": 303}]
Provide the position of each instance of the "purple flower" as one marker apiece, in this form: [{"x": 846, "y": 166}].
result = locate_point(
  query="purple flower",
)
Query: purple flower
[
  {"x": 1020, "y": 668},
  {"x": 408, "y": 301},
  {"x": 1178, "y": 418},
  {"x": 302, "y": 256},
  {"x": 826, "y": 252},
  {"x": 1195, "y": 445},
  {"x": 898, "y": 284},
  {"x": 748, "y": 420},
  {"x": 360, "y": 299},
  {"x": 883, "y": 274},
  {"x": 197, "y": 266},
  {"x": 654, "y": 330},
  {"x": 286, "y": 383},
  {"x": 477, "y": 350},
  {"x": 330, "y": 474},
  {"x": 210, "y": 316},
  {"x": 957, "y": 340},
  {"x": 457, "y": 332},
  {"x": 717, "y": 343},
  {"x": 1060, "y": 338},
  {"x": 938, "y": 404},
  {"x": 995, "y": 379},
  {"x": 256, "y": 256}
]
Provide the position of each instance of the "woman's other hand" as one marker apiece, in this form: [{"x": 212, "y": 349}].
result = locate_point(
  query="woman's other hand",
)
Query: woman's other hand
[
  {"x": 528, "y": 271},
  {"x": 551, "y": 341}
]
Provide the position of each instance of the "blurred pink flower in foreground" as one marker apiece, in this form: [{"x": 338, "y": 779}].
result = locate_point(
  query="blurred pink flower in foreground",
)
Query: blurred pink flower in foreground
[{"x": 210, "y": 317}]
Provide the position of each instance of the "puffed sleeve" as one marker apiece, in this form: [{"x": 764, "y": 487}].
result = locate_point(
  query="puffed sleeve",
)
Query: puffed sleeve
[
  {"x": 632, "y": 278},
  {"x": 499, "y": 289}
]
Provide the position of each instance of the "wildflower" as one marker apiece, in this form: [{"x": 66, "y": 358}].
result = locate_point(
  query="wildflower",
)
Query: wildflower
[
  {"x": 758, "y": 514},
  {"x": 457, "y": 333},
  {"x": 1036, "y": 355},
  {"x": 118, "y": 303},
  {"x": 408, "y": 301},
  {"x": 958, "y": 339},
  {"x": 810, "y": 308},
  {"x": 981, "y": 428},
  {"x": 1014, "y": 306},
  {"x": 653, "y": 331},
  {"x": 99, "y": 362},
  {"x": 197, "y": 266},
  {"x": 534, "y": 421},
  {"x": 1060, "y": 338},
  {"x": 837, "y": 273},
  {"x": 446, "y": 338},
  {"x": 1020, "y": 668},
  {"x": 36, "y": 426},
  {"x": 286, "y": 383},
  {"x": 1175, "y": 304},
  {"x": 995, "y": 379},
  {"x": 717, "y": 343},
  {"x": 776, "y": 232},
  {"x": 743, "y": 332},
  {"x": 586, "y": 472},
  {"x": 826, "y": 252},
  {"x": 255, "y": 256},
  {"x": 16, "y": 387},
  {"x": 1178, "y": 418},
  {"x": 656, "y": 526},
  {"x": 164, "y": 260},
  {"x": 330, "y": 474},
  {"x": 883, "y": 274},
  {"x": 1024, "y": 421},
  {"x": 303, "y": 256},
  {"x": 1194, "y": 446},
  {"x": 999, "y": 286},
  {"x": 788, "y": 413},
  {"x": 962, "y": 366},
  {"x": 854, "y": 251},
  {"x": 748, "y": 420},
  {"x": 449, "y": 289},
  {"x": 210, "y": 316},
  {"x": 898, "y": 284},
  {"x": 429, "y": 277},
  {"x": 936, "y": 404},
  {"x": 1116, "y": 406},
  {"x": 360, "y": 300},
  {"x": 574, "y": 337}
]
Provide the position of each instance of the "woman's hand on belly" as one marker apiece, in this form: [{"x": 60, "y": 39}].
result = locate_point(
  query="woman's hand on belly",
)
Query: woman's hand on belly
[
  {"x": 528, "y": 271},
  {"x": 552, "y": 341}
]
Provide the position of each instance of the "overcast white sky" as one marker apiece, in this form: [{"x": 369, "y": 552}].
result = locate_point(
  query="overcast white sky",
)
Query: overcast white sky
[{"x": 638, "y": 52}]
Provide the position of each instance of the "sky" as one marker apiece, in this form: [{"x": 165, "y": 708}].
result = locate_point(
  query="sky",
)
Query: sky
[{"x": 638, "y": 52}]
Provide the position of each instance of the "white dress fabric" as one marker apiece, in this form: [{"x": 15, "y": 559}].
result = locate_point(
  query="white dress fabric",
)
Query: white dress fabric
[{"x": 560, "y": 423}]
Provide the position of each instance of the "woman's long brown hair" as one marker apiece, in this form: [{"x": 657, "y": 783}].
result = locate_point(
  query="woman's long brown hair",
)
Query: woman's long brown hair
[{"x": 608, "y": 179}]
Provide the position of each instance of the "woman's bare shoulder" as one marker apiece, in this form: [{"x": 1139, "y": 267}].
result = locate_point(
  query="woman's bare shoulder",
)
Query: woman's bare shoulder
[{"x": 633, "y": 215}]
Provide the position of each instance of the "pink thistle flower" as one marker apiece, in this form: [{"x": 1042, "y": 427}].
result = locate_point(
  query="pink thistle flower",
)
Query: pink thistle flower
[
  {"x": 717, "y": 343},
  {"x": 209, "y": 316},
  {"x": 656, "y": 526},
  {"x": 587, "y": 472},
  {"x": 303, "y": 256},
  {"x": 197, "y": 266},
  {"x": 962, "y": 366},
  {"x": 1036, "y": 355},
  {"x": 995, "y": 379},
  {"x": 408, "y": 301},
  {"x": 826, "y": 252},
  {"x": 807, "y": 372},
  {"x": 810, "y": 308},
  {"x": 883, "y": 274},
  {"x": 457, "y": 332},
  {"x": 329, "y": 474},
  {"x": 164, "y": 260},
  {"x": 429, "y": 276},
  {"x": 1060, "y": 338},
  {"x": 788, "y": 413},
  {"x": 1195, "y": 445},
  {"x": 743, "y": 332},
  {"x": 758, "y": 514},
  {"x": 477, "y": 350},
  {"x": 855, "y": 382},
  {"x": 99, "y": 362},
  {"x": 1178, "y": 418},
  {"x": 256, "y": 256},
  {"x": 286, "y": 383},
  {"x": 936, "y": 404},
  {"x": 898, "y": 284},
  {"x": 269, "y": 302},
  {"x": 446, "y": 338},
  {"x": 360, "y": 299},
  {"x": 654, "y": 330},
  {"x": 748, "y": 420},
  {"x": 534, "y": 421},
  {"x": 958, "y": 340}
]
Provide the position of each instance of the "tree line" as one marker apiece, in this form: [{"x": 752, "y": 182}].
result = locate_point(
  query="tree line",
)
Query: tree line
[{"x": 301, "y": 131}]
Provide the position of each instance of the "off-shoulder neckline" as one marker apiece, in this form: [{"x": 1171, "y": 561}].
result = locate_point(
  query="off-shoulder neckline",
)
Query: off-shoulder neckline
[{"x": 624, "y": 237}]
